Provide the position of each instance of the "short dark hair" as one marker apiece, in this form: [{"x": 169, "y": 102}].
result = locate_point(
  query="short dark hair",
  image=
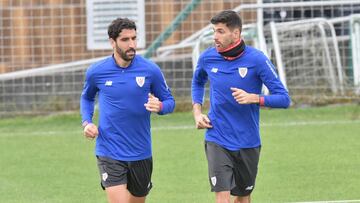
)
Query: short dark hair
[
  {"x": 230, "y": 18},
  {"x": 118, "y": 25}
]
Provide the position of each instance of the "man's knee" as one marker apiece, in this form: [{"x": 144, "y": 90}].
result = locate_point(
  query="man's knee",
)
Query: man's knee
[
  {"x": 244, "y": 199},
  {"x": 222, "y": 197}
]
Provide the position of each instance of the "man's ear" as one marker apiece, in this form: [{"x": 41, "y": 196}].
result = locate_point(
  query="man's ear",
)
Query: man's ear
[
  {"x": 237, "y": 33},
  {"x": 112, "y": 43}
]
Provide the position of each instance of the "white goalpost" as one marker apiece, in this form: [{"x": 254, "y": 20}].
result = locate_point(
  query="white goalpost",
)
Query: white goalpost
[
  {"x": 316, "y": 60},
  {"x": 355, "y": 44},
  {"x": 311, "y": 60},
  {"x": 308, "y": 56}
]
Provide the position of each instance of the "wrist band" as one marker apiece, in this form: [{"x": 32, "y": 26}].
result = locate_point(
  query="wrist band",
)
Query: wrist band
[
  {"x": 261, "y": 101},
  {"x": 161, "y": 106},
  {"x": 84, "y": 124}
]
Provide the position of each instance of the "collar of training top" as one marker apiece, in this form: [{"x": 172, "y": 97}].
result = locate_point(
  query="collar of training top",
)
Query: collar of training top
[{"x": 234, "y": 51}]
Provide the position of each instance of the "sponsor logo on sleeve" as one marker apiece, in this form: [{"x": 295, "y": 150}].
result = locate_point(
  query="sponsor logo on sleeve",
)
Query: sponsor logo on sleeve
[
  {"x": 167, "y": 87},
  {"x": 272, "y": 68}
]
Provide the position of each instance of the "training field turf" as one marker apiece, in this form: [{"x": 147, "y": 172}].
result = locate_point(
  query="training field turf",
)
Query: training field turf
[{"x": 309, "y": 154}]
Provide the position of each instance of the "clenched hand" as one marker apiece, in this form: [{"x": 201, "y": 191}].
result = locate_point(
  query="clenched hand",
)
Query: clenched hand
[
  {"x": 242, "y": 97},
  {"x": 153, "y": 104}
]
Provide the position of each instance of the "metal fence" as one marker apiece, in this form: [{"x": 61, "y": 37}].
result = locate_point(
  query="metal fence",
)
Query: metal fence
[{"x": 44, "y": 54}]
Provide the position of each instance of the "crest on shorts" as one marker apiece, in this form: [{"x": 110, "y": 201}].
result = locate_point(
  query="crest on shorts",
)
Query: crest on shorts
[
  {"x": 104, "y": 176},
  {"x": 213, "y": 180},
  {"x": 140, "y": 81},
  {"x": 243, "y": 71}
]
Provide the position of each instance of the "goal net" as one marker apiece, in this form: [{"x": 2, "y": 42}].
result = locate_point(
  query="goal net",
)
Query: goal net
[
  {"x": 42, "y": 90},
  {"x": 308, "y": 53}
]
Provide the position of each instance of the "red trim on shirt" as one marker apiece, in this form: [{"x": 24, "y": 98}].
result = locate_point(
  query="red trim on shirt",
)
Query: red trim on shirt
[
  {"x": 161, "y": 106},
  {"x": 262, "y": 101},
  {"x": 232, "y": 58}
]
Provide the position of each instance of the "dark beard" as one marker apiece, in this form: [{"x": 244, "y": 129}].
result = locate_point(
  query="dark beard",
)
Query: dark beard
[{"x": 123, "y": 54}]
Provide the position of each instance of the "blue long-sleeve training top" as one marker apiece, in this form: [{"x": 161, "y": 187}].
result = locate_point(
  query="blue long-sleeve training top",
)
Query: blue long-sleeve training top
[
  {"x": 235, "y": 125},
  {"x": 124, "y": 122}
]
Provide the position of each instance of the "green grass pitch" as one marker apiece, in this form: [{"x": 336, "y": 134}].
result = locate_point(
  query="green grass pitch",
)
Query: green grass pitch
[{"x": 309, "y": 154}]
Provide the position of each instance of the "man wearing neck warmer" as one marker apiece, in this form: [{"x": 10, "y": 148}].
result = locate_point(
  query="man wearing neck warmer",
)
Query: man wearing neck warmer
[{"x": 236, "y": 73}]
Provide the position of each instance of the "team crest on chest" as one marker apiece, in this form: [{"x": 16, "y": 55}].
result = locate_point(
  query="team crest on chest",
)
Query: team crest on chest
[
  {"x": 243, "y": 71},
  {"x": 140, "y": 81}
]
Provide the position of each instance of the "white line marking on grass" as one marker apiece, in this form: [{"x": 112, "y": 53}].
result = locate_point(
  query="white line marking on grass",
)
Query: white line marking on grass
[
  {"x": 180, "y": 127},
  {"x": 336, "y": 201},
  {"x": 285, "y": 124},
  {"x": 301, "y": 123},
  {"x": 41, "y": 133}
]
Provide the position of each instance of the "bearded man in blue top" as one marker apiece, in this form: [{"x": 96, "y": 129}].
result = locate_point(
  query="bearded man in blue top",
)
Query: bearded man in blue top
[
  {"x": 232, "y": 141},
  {"x": 129, "y": 88}
]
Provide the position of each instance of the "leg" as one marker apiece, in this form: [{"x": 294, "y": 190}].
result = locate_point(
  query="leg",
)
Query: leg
[
  {"x": 113, "y": 179},
  {"x": 244, "y": 199},
  {"x": 117, "y": 194},
  {"x": 139, "y": 180},
  {"x": 245, "y": 172},
  {"x": 222, "y": 197},
  {"x": 220, "y": 172},
  {"x": 120, "y": 194},
  {"x": 134, "y": 199}
]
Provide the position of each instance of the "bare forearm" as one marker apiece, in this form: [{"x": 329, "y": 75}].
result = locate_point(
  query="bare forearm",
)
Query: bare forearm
[{"x": 197, "y": 109}]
